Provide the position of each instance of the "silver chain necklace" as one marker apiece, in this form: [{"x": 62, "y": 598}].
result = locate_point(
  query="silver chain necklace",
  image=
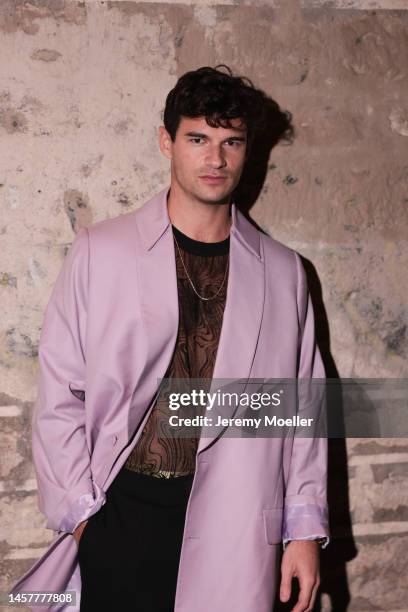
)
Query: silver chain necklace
[{"x": 191, "y": 282}]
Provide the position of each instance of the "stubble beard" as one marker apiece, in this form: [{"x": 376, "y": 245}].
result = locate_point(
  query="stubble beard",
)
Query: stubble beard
[{"x": 204, "y": 196}]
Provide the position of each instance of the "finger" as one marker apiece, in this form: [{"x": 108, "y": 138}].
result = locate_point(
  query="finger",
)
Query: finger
[
  {"x": 305, "y": 594},
  {"x": 286, "y": 585},
  {"x": 313, "y": 596}
]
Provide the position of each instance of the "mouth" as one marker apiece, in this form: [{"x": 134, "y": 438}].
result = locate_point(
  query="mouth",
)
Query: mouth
[{"x": 211, "y": 179}]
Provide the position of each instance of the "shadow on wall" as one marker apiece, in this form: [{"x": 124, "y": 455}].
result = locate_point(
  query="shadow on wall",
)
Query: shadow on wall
[
  {"x": 278, "y": 126},
  {"x": 341, "y": 548}
]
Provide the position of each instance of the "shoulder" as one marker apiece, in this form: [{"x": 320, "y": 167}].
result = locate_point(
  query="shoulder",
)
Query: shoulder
[
  {"x": 275, "y": 248},
  {"x": 279, "y": 255},
  {"x": 284, "y": 265},
  {"x": 124, "y": 230},
  {"x": 112, "y": 227},
  {"x": 132, "y": 225}
]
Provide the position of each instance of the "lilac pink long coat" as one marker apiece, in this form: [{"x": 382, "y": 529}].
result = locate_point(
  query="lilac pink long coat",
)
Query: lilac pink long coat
[{"x": 110, "y": 328}]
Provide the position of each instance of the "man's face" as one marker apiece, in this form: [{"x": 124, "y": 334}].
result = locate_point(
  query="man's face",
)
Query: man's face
[{"x": 206, "y": 162}]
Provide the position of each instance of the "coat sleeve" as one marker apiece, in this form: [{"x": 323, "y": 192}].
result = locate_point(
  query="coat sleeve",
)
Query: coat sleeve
[
  {"x": 305, "y": 506},
  {"x": 66, "y": 493}
]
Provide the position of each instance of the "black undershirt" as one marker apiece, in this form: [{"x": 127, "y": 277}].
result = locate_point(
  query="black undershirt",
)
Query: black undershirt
[{"x": 196, "y": 247}]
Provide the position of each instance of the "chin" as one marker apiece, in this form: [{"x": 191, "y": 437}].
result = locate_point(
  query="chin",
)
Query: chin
[
  {"x": 221, "y": 199},
  {"x": 213, "y": 196}
]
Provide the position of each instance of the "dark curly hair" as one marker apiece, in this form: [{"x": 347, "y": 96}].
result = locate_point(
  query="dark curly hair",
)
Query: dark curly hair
[{"x": 216, "y": 95}]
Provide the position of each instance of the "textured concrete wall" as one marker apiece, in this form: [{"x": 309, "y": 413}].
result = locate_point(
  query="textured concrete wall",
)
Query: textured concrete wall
[{"x": 81, "y": 92}]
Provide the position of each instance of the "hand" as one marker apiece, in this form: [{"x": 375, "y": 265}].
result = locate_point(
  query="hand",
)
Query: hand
[
  {"x": 301, "y": 559},
  {"x": 78, "y": 531}
]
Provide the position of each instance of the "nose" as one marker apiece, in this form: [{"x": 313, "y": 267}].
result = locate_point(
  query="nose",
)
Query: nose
[{"x": 215, "y": 157}]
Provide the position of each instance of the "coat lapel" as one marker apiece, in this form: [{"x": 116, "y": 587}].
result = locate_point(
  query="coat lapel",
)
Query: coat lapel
[
  {"x": 243, "y": 308},
  {"x": 241, "y": 321},
  {"x": 157, "y": 279}
]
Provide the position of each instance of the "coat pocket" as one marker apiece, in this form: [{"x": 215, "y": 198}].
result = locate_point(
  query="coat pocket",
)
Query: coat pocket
[
  {"x": 77, "y": 389},
  {"x": 272, "y": 519}
]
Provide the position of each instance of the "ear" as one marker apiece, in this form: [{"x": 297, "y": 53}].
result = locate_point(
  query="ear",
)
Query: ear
[{"x": 165, "y": 142}]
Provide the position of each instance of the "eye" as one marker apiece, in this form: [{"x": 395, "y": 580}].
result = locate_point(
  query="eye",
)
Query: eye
[
  {"x": 233, "y": 142},
  {"x": 196, "y": 139}
]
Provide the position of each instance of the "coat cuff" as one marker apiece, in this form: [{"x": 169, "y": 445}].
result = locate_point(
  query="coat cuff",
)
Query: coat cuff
[
  {"x": 305, "y": 521},
  {"x": 316, "y": 536},
  {"x": 82, "y": 508}
]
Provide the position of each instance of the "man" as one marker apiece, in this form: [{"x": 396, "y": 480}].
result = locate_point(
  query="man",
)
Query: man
[{"x": 186, "y": 287}]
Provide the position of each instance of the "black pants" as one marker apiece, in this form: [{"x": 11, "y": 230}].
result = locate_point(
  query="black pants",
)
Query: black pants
[{"x": 129, "y": 550}]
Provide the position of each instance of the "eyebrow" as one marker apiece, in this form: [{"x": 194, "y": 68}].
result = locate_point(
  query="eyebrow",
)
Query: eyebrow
[{"x": 200, "y": 135}]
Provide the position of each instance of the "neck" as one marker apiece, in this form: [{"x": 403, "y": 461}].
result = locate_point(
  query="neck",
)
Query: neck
[{"x": 206, "y": 222}]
